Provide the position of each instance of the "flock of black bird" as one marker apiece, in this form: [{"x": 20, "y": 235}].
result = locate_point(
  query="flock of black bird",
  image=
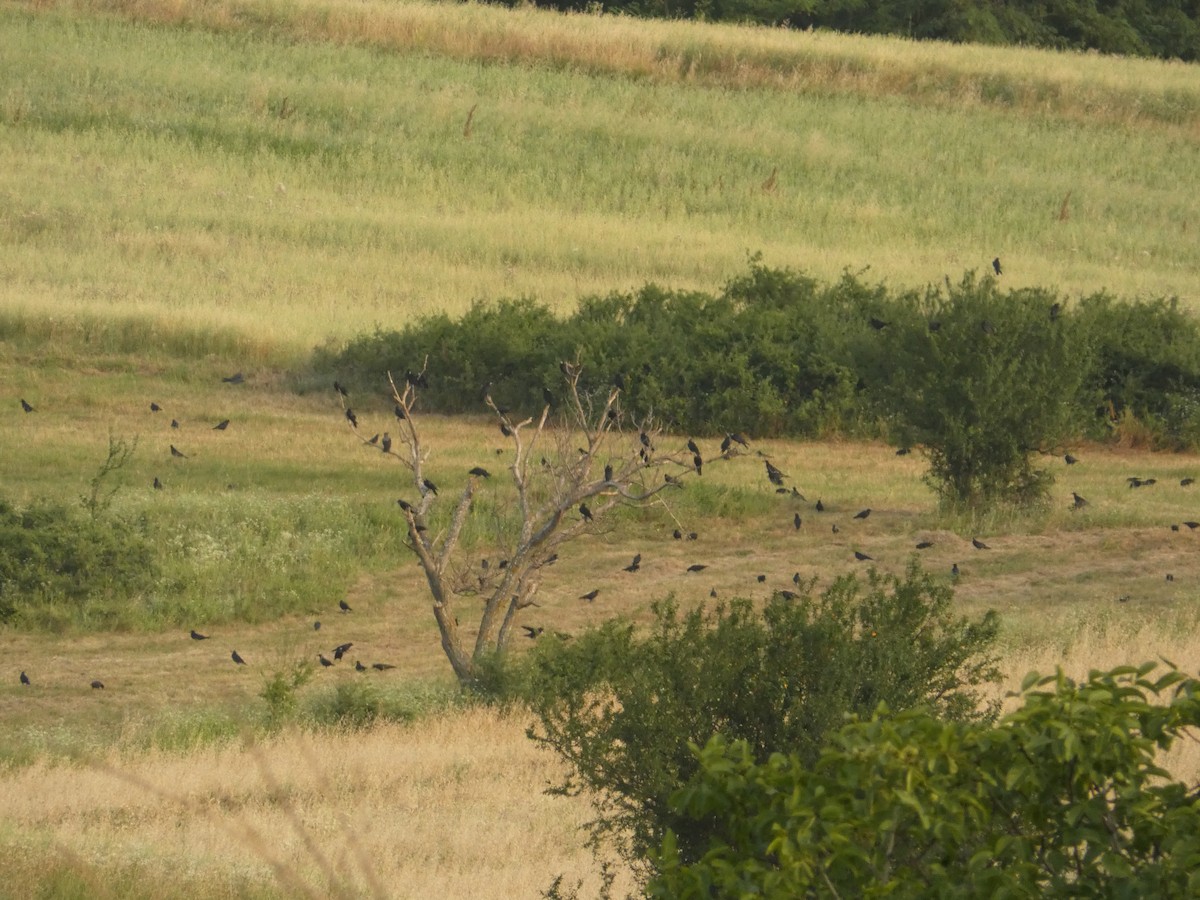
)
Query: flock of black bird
[{"x": 344, "y": 607}]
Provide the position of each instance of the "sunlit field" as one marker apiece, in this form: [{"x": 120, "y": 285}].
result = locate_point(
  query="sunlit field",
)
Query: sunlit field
[
  {"x": 196, "y": 190},
  {"x": 305, "y": 172}
]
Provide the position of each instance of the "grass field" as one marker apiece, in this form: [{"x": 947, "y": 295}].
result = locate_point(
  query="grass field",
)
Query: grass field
[
  {"x": 313, "y": 164},
  {"x": 192, "y": 190}
]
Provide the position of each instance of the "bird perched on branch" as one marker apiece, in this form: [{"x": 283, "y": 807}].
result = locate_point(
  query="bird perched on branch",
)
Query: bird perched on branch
[
  {"x": 386, "y": 444},
  {"x": 351, "y": 417},
  {"x": 480, "y": 472},
  {"x": 585, "y": 512}
]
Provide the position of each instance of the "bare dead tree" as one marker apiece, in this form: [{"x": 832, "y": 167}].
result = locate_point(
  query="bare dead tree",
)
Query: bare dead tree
[{"x": 570, "y": 468}]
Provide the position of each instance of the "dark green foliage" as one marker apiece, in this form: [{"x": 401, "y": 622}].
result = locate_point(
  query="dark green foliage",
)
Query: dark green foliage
[
  {"x": 1164, "y": 28},
  {"x": 621, "y": 708},
  {"x": 51, "y": 551},
  {"x": 1145, "y": 365},
  {"x": 1061, "y": 798},
  {"x": 981, "y": 379}
]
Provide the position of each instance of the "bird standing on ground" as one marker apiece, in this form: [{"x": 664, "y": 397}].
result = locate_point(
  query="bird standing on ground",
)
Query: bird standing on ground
[
  {"x": 359, "y": 667},
  {"x": 154, "y": 407},
  {"x": 24, "y": 678},
  {"x": 924, "y": 545},
  {"x": 1079, "y": 502},
  {"x": 236, "y": 378},
  {"x": 1070, "y": 460},
  {"x": 697, "y": 567},
  {"x": 97, "y": 685},
  {"x": 197, "y": 636},
  {"x": 996, "y": 266},
  {"x": 25, "y": 405},
  {"x": 796, "y": 521},
  {"x": 344, "y": 606},
  {"x": 862, "y": 557},
  {"x": 590, "y": 595},
  {"x": 979, "y": 545},
  {"x": 236, "y": 657},
  {"x": 325, "y": 663},
  {"x": 157, "y": 484},
  {"x": 176, "y": 453},
  {"x": 862, "y": 514},
  {"x": 221, "y": 426},
  {"x": 774, "y": 475}
]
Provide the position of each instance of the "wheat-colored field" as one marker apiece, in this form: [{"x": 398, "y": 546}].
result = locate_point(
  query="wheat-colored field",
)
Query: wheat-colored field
[{"x": 305, "y": 171}]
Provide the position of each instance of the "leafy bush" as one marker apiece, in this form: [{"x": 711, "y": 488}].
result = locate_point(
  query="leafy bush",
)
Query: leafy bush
[
  {"x": 981, "y": 379},
  {"x": 50, "y": 551},
  {"x": 621, "y": 709},
  {"x": 1061, "y": 798}
]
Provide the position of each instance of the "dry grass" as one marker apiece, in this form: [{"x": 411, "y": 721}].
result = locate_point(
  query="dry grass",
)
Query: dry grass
[{"x": 452, "y": 807}]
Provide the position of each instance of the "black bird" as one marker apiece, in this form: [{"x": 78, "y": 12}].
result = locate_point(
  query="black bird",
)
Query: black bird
[
  {"x": 698, "y": 463},
  {"x": 726, "y": 443},
  {"x": 862, "y": 514},
  {"x": 405, "y": 505},
  {"x": 325, "y": 663},
  {"x": 796, "y": 578},
  {"x": 862, "y": 557},
  {"x": 174, "y": 423},
  {"x": 987, "y": 327},
  {"x": 340, "y": 650},
  {"x": 692, "y": 536},
  {"x": 24, "y": 678},
  {"x": 157, "y": 484},
  {"x": 236, "y": 378},
  {"x": 480, "y": 472},
  {"x": 590, "y": 595},
  {"x": 979, "y": 545},
  {"x": 429, "y": 486},
  {"x": 877, "y": 324},
  {"x": 359, "y": 667},
  {"x": 221, "y": 426},
  {"x": 1186, "y": 481},
  {"x": 619, "y": 381},
  {"x": 935, "y": 325},
  {"x": 1055, "y": 311},
  {"x": 762, "y": 579},
  {"x": 341, "y": 390},
  {"x": 799, "y": 496},
  {"x": 996, "y": 266},
  {"x": 197, "y": 636},
  {"x": 585, "y": 512},
  {"x": 505, "y": 430},
  {"x": 1079, "y": 502},
  {"x": 635, "y": 565},
  {"x": 796, "y": 521},
  {"x": 344, "y": 606},
  {"x": 351, "y": 417},
  {"x": 154, "y": 407},
  {"x": 386, "y": 444},
  {"x": 1170, "y": 577},
  {"x": 608, "y": 473},
  {"x": 237, "y": 658},
  {"x": 175, "y": 452},
  {"x": 903, "y": 451},
  {"x": 547, "y": 396},
  {"x": 1070, "y": 460},
  {"x": 417, "y": 379},
  {"x": 924, "y": 545},
  {"x": 739, "y": 438},
  {"x": 383, "y": 667},
  {"x": 530, "y": 631},
  {"x": 691, "y": 445},
  {"x": 645, "y": 439},
  {"x": 97, "y": 685},
  {"x": 677, "y": 534},
  {"x": 836, "y": 529},
  {"x": 1192, "y": 525},
  {"x": 374, "y": 440},
  {"x": 954, "y": 571},
  {"x": 789, "y": 595},
  {"x": 773, "y": 474},
  {"x": 820, "y": 506},
  {"x": 399, "y": 411},
  {"x": 697, "y": 567},
  {"x": 317, "y": 625}
]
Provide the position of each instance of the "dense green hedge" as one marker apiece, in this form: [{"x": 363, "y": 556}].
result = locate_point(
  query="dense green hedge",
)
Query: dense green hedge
[
  {"x": 1163, "y": 28},
  {"x": 777, "y": 353}
]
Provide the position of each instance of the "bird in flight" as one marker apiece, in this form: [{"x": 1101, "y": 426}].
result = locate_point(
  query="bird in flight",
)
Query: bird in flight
[
  {"x": 979, "y": 545},
  {"x": 344, "y": 606},
  {"x": 221, "y": 426},
  {"x": 177, "y": 453},
  {"x": 635, "y": 565},
  {"x": 197, "y": 636},
  {"x": 236, "y": 657},
  {"x": 340, "y": 650}
]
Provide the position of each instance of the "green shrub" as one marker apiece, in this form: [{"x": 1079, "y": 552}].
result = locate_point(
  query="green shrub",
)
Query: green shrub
[
  {"x": 1061, "y": 798},
  {"x": 981, "y": 379},
  {"x": 621, "y": 708},
  {"x": 52, "y": 552}
]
